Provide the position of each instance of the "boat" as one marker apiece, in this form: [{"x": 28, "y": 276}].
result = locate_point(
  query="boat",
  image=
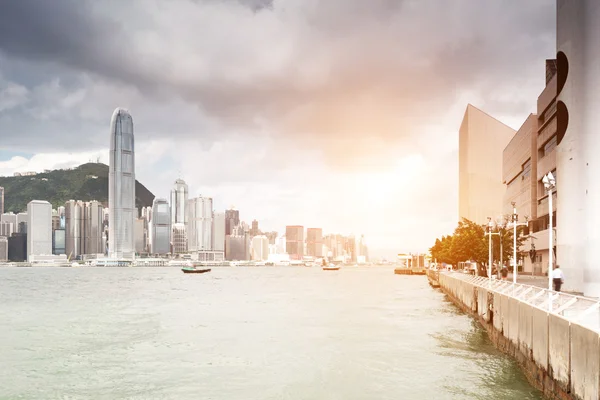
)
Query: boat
[
  {"x": 188, "y": 270},
  {"x": 331, "y": 267}
]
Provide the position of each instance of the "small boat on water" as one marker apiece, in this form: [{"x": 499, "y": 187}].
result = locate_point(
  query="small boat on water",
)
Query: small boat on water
[
  {"x": 187, "y": 270},
  {"x": 331, "y": 267}
]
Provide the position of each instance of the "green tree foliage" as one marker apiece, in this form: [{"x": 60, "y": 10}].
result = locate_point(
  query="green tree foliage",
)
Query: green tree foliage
[
  {"x": 86, "y": 182},
  {"x": 469, "y": 242}
]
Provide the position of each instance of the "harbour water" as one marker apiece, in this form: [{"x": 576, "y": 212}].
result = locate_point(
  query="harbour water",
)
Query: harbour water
[{"x": 242, "y": 333}]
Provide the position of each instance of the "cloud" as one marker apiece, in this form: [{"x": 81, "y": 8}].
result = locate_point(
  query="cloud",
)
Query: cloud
[{"x": 282, "y": 107}]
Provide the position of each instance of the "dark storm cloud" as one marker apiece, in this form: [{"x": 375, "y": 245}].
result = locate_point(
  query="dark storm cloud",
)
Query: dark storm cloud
[{"x": 325, "y": 72}]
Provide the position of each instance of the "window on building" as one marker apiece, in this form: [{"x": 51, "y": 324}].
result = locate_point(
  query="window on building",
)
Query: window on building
[
  {"x": 549, "y": 146},
  {"x": 526, "y": 169}
]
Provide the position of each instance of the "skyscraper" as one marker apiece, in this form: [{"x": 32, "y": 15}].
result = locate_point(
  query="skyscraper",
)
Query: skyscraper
[
  {"x": 232, "y": 219},
  {"x": 73, "y": 234},
  {"x": 161, "y": 227},
  {"x": 218, "y": 233},
  {"x": 1, "y": 201},
  {"x": 295, "y": 242},
  {"x": 39, "y": 225},
  {"x": 314, "y": 242},
  {"x": 121, "y": 186},
  {"x": 179, "y": 216},
  {"x": 200, "y": 224},
  {"x": 259, "y": 248}
]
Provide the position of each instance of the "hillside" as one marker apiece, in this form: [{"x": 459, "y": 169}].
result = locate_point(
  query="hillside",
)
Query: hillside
[{"x": 86, "y": 182}]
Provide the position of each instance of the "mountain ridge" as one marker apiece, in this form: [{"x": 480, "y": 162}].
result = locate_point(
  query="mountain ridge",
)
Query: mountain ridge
[{"x": 86, "y": 182}]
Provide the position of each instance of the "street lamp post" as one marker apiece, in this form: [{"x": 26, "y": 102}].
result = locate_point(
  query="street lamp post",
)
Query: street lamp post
[
  {"x": 490, "y": 227},
  {"x": 515, "y": 223},
  {"x": 549, "y": 184}
]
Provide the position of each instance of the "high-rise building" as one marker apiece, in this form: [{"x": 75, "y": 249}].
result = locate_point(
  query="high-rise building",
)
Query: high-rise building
[
  {"x": 3, "y": 248},
  {"x": 578, "y": 185},
  {"x": 1, "y": 201},
  {"x": 140, "y": 235},
  {"x": 232, "y": 219},
  {"x": 237, "y": 247},
  {"x": 179, "y": 238},
  {"x": 481, "y": 142},
  {"x": 121, "y": 186},
  {"x": 294, "y": 245},
  {"x": 314, "y": 242},
  {"x": 59, "y": 242},
  {"x": 218, "y": 233},
  {"x": 73, "y": 228},
  {"x": 84, "y": 228},
  {"x": 93, "y": 215},
  {"x": 8, "y": 224},
  {"x": 254, "y": 230},
  {"x": 179, "y": 215},
  {"x": 179, "y": 202},
  {"x": 22, "y": 223},
  {"x": 17, "y": 247},
  {"x": 259, "y": 248},
  {"x": 39, "y": 226},
  {"x": 161, "y": 227},
  {"x": 200, "y": 224}
]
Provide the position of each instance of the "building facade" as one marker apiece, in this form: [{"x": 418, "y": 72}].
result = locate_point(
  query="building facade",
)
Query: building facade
[
  {"x": 294, "y": 245},
  {"x": 3, "y": 248},
  {"x": 200, "y": 224},
  {"x": 218, "y": 234},
  {"x": 179, "y": 215},
  {"x": 259, "y": 248},
  {"x": 232, "y": 220},
  {"x": 481, "y": 142},
  {"x": 578, "y": 144},
  {"x": 121, "y": 186},
  {"x": 1, "y": 200},
  {"x": 39, "y": 226},
  {"x": 314, "y": 242},
  {"x": 161, "y": 227},
  {"x": 179, "y": 238}
]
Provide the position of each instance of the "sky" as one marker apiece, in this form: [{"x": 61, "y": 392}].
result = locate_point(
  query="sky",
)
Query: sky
[{"x": 340, "y": 114}]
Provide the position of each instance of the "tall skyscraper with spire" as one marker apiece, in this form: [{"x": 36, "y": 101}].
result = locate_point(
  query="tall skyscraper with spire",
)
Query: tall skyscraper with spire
[
  {"x": 121, "y": 186},
  {"x": 179, "y": 216}
]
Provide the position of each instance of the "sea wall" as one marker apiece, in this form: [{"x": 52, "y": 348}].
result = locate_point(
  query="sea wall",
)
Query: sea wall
[{"x": 559, "y": 356}]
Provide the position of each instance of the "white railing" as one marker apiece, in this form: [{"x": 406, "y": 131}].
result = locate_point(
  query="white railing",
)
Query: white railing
[{"x": 582, "y": 310}]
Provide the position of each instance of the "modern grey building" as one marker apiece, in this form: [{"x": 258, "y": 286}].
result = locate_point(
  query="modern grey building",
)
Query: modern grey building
[
  {"x": 121, "y": 186},
  {"x": 1, "y": 200},
  {"x": 73, "y": 224},
  {"x": 161, "y": 227},
  {"x": 39, "y": 226},
  {"x": 200, "y": 224}
]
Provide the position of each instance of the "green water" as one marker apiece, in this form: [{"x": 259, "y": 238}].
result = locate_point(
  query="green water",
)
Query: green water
[{"x": 241, "y": 333}]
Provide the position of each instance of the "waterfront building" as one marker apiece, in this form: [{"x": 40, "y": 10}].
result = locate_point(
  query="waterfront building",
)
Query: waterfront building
[
  {"x": 232, "y": 220},
  {"x": 179, "y": 213},
  {"x": 259, "y": 248},
  {"x": 8, "y": 224},
  {"x": 254, "y": 231},
  {"x": 578, "y": 144},
  {"x": 84, "y": 228},
  {"x": 314, "y": 242},
  {"x": 161, "y": 227},
  {"x": 121, "y": 186},
  {"x": 17, "y": 247},
  {"x": 3, "y": 248},
  {"x": 140, "y": 236},
  {"x": 481, "y": 142},
  {"x": 22, "y": 223},
  {"x": 200, "y": 224},
  {"x": 295, "y": 241},
  {"x": 237, "y": 247},
  {"x": 39, "y": 223},
  {"x": 59, "y": 242},
  {"x": 218, "y": 232},
  {"x": 179, "y": 238},
  {"x": 1, "y": 200}
]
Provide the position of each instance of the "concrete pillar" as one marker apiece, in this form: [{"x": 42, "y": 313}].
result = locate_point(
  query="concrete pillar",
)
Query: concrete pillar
[{"x": 578, "y": 164}]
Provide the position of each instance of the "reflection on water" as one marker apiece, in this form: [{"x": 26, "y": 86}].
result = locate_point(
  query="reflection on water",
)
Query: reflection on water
[{"x": 242, "y": 333}]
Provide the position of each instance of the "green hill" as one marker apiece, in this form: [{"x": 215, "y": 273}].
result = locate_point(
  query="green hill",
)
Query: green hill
[{"x": 86, "y": 182}]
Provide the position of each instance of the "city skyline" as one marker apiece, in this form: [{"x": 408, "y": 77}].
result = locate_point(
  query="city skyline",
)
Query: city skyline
[{"x": 344, "y": 144}]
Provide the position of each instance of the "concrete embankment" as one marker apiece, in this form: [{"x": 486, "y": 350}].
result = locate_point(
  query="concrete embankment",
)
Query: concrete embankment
[{"x": 559, "y": 350}]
